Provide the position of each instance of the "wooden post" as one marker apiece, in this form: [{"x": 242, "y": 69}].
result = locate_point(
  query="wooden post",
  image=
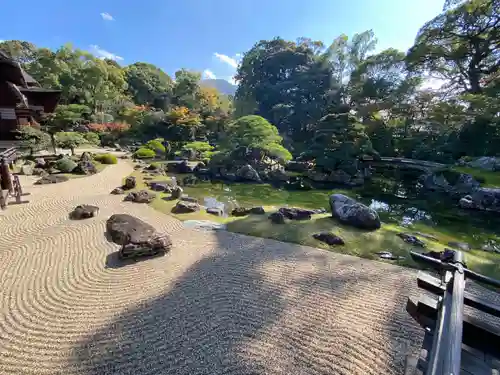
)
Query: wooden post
[{"x": 5, "y": 176}]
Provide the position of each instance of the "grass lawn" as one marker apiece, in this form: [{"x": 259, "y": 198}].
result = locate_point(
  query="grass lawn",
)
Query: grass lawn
[
  {"x": 491, "y": 179},
  {"x": 358, "y": 242}
]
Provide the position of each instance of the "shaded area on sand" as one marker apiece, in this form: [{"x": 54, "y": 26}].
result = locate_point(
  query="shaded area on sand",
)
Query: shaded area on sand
[{"x": 254, "y": 306}]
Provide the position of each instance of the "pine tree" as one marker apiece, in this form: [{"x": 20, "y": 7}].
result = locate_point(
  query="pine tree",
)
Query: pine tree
[{"x": 339, "y": 143}]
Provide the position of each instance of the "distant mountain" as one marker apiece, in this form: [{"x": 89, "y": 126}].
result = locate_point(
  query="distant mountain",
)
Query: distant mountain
[{"x": 222, "y": 85}]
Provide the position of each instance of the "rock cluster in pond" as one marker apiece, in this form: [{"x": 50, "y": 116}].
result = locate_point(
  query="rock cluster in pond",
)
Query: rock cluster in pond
[
  {"x": 351, "y": 212},
  {"x": 450, "y": 182},
  {"x": 141, "y": 196},
  {"x": 488, "y": 163},
  {"x": 52, "y": 179},
  {"x": 329, "y": 238},
  {"x": 84, "y": 211},
  {"x": 136, "y": 237},
  {"x": 485, "y": 199}
]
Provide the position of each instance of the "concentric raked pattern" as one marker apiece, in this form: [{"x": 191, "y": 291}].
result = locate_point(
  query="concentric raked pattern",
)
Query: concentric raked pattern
[{"x": 219, "y": 303}]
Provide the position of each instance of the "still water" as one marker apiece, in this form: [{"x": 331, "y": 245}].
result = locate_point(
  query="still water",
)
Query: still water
[{"x": 398, "y": 201}]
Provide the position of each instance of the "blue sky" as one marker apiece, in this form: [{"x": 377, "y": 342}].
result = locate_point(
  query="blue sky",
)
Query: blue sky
[{"x": 205, "y": 35}]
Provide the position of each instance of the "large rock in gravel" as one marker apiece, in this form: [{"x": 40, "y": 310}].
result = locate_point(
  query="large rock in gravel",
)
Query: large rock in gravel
[
  {"x": 183, "y": 207},
  {"x": 351, "y": 212},
  {"x": 84, "y": 211},
  {"x": 141, "y": 196},
  {"x": 117, "y": 191},
  {"x": 130, "y": 183},
  {"x": 85, "y": 167},
  {"x": 137, "y": 237},
  {"x": 52, "y": 179}
]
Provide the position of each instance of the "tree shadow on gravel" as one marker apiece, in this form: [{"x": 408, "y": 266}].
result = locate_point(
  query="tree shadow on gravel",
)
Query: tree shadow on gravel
[{"x": 256, "y": 306}]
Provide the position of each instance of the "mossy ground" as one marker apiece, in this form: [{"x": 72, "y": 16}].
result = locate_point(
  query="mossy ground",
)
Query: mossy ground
[
  {"x": 360, "y": 243},
  {"x": 491, "y": 179}
]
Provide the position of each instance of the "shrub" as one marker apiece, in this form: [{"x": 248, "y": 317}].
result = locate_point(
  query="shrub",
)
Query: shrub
[
  {"x": 69, "y": 140},
  {"x": 106, "y": 158},
  {"x": 92, "y": 138},
  {"x": 156, "y": 145},
  {"x": 144, "y": 153},
  {"x": 66, "y": 165}
]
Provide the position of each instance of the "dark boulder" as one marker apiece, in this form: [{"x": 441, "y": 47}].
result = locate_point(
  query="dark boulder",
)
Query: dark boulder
[
  {"x": 85, "y": 167},
  {"x": 247, "y": 172},
  {"x": 176, "y": 192},
  {"x": 130, "y": 183},
  {"x": 184, "y": 167},
  {"x": 40, "y": 163},
  {"x": 277, "y": 218},
  {"x": 189, "y": 180},
  {"x": 185, "y": 207},
  {"x": 117, "y": 191},
  {"x": 52, "y": 179},
  {"x": 411, "y": 239},
  {"x": 259, "y": 210},
  {"x": 160, "y": 186},
  {"x": 86, "y": 156},
  {"x": 240, "y": 211},
  {"x": 136, "y": 237},
  {"x": 484, "y": 199},
  {"x": 141, "y": 196},
  {"x": 215, "y": 211},
  {"x": 84, "y": 211},
  {"x": 186, "y": 198},
  {"x": 351, "y": 212},
  {"x": 328, "y": 238},
  {"x": 296, "y": 213}
]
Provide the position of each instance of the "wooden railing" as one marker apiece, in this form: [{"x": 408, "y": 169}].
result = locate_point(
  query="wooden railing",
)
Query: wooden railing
[{"x": 444, "y": 319}]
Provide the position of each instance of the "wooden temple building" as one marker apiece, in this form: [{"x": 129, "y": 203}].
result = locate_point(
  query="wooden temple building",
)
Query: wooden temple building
[
  {"x": 22, "y": 103},
  {"x": 22, "y": 100}
]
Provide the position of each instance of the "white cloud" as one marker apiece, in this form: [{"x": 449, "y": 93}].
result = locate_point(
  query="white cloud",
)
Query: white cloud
[
  {"x": 228, "y": 60},
  {"x": 107, "y": 17},
  {"x": 208, "y": 74},
  {"x": 103, "y": 54}
]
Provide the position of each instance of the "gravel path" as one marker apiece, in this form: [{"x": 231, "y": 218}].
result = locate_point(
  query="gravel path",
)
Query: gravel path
[{"x": 219, "y": 303}]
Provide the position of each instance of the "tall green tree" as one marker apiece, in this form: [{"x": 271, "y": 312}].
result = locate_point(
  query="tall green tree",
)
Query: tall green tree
[
  {"x": 460, "y": 45},
  {"x": 147, "y": 82}
]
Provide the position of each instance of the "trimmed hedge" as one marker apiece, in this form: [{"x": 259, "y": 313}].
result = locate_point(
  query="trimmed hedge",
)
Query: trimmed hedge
[
  {"x": 106, "y": 158},
  {"x": 66, "y": 165},
  {"x": 144, "y": 153}
]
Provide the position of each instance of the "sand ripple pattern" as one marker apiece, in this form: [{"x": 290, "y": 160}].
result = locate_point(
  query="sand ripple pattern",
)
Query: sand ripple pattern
[{"x": 219, "y": 303}]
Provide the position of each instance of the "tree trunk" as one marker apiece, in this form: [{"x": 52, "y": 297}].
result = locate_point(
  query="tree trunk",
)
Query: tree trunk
[
  {"x": 53, "y": 142},
  {"x": 73, "y": 151}
]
